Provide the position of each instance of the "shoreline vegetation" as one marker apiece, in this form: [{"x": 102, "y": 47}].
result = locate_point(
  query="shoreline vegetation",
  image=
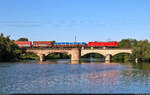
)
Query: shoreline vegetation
[{"x": 11, "y": 52}]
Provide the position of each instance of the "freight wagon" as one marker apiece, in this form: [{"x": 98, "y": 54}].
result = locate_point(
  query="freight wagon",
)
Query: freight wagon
[
  {"x": 23, "y": 44},
  {"x": 42, "y": 44},
  {"x": 68, "y": 44}
]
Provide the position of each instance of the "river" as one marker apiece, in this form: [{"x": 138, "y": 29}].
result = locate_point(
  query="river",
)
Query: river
[{"x": 59, "y": 76}]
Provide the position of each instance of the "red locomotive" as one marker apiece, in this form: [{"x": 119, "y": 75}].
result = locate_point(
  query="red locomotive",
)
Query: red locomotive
[
  {"x": 23, "y": 44},
  {"x": 102, "y": 44}
]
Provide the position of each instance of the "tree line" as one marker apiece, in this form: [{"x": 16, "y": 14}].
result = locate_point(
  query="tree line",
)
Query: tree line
[
  {"x": 8, "y": 50},
  {"x": 11, "y": 52}
]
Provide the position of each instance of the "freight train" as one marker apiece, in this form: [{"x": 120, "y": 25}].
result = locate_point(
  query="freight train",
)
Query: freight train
[{"x": 51, "y": 44}]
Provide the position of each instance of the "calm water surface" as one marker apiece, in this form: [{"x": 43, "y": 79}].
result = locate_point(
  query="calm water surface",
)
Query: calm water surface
[{"x": 59, "y": 76}]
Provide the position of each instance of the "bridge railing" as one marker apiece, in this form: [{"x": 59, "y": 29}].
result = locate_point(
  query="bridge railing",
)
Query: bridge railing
[
  {"x": 107, "y": 49},
  {"x": 43, "y": 48},
  {"x": 49, "y": 48}
]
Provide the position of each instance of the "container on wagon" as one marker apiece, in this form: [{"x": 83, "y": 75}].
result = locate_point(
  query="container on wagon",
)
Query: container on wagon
[
  {"x": 42, "y": 43},
  {"x": 23, "y": 43}
]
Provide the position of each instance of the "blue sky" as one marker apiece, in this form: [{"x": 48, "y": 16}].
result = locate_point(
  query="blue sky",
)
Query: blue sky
[{"x": 89, "y": 20}]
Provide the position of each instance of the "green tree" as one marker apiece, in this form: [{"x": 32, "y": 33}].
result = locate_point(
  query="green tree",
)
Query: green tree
[
  {"x": 8, "y": 50},
  {"x": 22, "y": 39},
  {"x": 125, "y": 43},
  {"x": 141, "y": 50},
  {"x": 53, "y": 41},
  {"x": 133, "y": 42},
  {"x": 121, "y": 57}
]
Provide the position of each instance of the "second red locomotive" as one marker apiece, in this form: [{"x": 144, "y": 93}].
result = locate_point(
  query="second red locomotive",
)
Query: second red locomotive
[{"x": 102, "y": 44}]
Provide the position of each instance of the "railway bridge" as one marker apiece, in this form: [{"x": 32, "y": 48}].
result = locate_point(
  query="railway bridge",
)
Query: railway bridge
[{"x": 76, "y": 53}]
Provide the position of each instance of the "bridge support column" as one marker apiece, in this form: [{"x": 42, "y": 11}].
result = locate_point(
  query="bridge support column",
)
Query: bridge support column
[
  {"x": 136, "y": 60},
  {"x": 107, "y": 58},
  {"x": 75, "y": 54},
  {"x": 42, "y": 57}
]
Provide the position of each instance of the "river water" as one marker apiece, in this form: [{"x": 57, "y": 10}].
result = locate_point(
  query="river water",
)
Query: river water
[{"x": 59, "y": 76}]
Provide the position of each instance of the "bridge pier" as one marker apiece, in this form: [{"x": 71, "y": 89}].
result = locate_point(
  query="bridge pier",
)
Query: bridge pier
[
  {"x": 75, "y": 62},
  {"x": 75, "y": 54},
  {"x": 42, "y": 57},
  {"x": 107, "y": 58},
  {"x": 136, "y": 60}
]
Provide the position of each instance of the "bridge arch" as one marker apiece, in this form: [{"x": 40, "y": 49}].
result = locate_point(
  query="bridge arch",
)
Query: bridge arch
[
  {"x": 56, "y": 55},
  {"x": 88, "y": 52},
  {"x": 121, "y": 53},
  {"x": 82, "y": 55},
  {"x": 62, "y": 52},
  {"x": 122, "y": 57},
  {"x": 29, "y": 55}
]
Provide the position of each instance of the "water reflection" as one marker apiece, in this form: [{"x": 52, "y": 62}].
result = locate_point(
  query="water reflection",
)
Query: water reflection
[
  {"x": 104, "y": 80},
  {"x": 63, "y": 76},
  {"x": 74, "y": 62}
]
